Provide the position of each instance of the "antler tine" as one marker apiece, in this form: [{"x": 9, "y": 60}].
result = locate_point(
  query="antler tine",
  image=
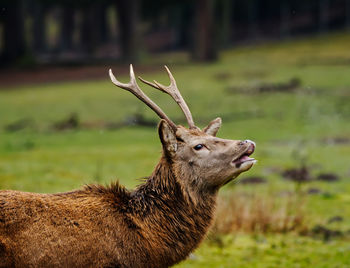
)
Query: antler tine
[
  {"x": 174, "y": 92},
  {"x": 133, "y": 87}
]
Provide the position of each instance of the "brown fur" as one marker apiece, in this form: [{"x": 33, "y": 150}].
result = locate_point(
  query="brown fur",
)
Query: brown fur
[
  {"x": 153, "y": 226},
  {"x": 157, "y": 225}
]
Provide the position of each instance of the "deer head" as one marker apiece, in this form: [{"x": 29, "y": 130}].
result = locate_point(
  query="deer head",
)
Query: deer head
[{"x": 204, "y": 161}]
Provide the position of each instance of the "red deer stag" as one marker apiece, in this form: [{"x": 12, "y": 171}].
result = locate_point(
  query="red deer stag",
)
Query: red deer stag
[{"x": 156, "y": 225}]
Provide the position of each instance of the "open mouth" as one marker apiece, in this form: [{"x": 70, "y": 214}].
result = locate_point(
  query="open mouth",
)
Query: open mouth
[{"x": 245, "y": 156}]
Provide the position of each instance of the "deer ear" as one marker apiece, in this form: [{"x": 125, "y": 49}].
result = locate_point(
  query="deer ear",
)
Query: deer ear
[
  {"x": 167, "y": 137},
  {"x": 213, "y": 127}
]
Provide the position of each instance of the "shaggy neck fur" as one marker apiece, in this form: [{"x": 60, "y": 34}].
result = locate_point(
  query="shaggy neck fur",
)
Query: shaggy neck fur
[
  {"x": 174, "y": 221},
  {"x": 157, "y": 225}
]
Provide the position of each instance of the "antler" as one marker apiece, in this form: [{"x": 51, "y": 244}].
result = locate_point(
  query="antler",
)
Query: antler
[
  {"x": 135, "y": 89},
  {"x": 174, "y": 92}
]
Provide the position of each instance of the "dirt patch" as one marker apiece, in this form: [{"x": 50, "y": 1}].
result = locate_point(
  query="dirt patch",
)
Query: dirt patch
[
  {"x": 24, "y": 123},
  {"x": 336, "y": 140},
  {"x": 222, "y": 76},
  {"x": 139, "y": 120},
  {"x": 71, "y": 122},
  {"x": 330, "y": 61},
  {"x": 329, "y": 177},
  {"x": 336, "y": 219},
  {"x": 288, "y": 86},
  {"x": 253, "y": 180},
  {"x": 291, "y": 85},
  {"x": 325, "y": 233},
  {"x": 313, "y": 190},
  {"x": 11, "y": 78},
  {"x": 299, "y": 175},
  {"x": 254, "y": 74}
]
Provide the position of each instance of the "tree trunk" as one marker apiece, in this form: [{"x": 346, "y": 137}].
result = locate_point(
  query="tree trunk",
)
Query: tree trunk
[
  {"x": 67, "y": 28},
  {"x": 89, "y": 29},
  {"x": 103, "y": 30},
  {"x": 184, "y": 31},
  {"x": 128, "y": 17},
  {"x": 39, "y": 30},
  {"x": 13, "y": 31},
  {"x": 284, "y": 19},
  {"x": 324, "y": 16},
  {"x": 226, "y": 24},
  {"x": 253, "y": 18},
  {"x": 204, "y": 43},
  {"x": 347, "y": 15}
]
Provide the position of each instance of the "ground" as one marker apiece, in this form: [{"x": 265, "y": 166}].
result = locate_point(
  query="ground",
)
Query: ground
[{"x": 292, "y": 98}]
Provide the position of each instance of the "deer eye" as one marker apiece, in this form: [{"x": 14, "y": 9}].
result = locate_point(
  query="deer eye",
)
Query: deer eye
[{"x": 198, "y": 147}]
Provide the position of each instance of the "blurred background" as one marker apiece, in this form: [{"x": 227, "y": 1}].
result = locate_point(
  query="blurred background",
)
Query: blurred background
[
  {"x": 277, "y": 72},
  {"x": 88, "y": 31}
]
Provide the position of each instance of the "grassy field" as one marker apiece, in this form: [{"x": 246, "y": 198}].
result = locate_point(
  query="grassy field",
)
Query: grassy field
[{"x": 251, "y": 89}]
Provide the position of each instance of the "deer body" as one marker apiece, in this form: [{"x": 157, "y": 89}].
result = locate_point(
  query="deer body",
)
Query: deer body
[
  {"x": 157, "y": 225},
  {"x": 154, "y": 226}
]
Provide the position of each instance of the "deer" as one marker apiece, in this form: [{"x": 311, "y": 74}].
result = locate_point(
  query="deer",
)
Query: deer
[{"x": 158, "y": 224}]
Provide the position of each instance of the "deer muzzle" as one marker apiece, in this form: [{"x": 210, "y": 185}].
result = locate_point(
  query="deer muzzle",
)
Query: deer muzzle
[{"x": 244, "y": 157}]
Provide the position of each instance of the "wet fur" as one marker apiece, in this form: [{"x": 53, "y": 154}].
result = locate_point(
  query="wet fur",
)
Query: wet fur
[{"x": 156, "y": 225}]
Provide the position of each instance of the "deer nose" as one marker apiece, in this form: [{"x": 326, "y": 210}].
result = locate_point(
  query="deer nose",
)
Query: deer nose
[
  {"x": 249, "y": 141},
  {"x": 251, "y": 145}
]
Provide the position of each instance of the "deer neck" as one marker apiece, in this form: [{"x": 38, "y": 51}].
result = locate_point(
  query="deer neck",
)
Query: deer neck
[
  {"x": 166, "y": 184},
  {"x": 172, "y": 216}
]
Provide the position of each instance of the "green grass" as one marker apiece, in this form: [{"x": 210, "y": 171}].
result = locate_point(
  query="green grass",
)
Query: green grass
[
  {"x": 287, "y": 127},
  {"x": 271, "y": 251}
]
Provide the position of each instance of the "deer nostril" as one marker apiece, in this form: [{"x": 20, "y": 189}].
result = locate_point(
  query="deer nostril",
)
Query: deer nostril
[
  {"x": 249, "y": 141},
  {"x": 241, "y": 143}
]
